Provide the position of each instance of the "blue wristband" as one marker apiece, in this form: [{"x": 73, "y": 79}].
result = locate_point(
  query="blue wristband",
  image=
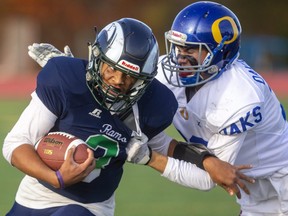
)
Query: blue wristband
[{"x": 60, "y": 179}]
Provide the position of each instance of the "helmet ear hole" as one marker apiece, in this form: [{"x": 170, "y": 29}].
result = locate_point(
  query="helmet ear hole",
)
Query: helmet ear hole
[
  {"x": 213, "y": 69},
  {"x": 96, "y": 51}
]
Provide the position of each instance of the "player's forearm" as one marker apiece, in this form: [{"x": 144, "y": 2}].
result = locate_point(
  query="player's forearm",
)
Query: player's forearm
[
  {"x": 26, "y": 159},
  {"x": 181, "y": 172},
  {"x": 158, "y": 162}
]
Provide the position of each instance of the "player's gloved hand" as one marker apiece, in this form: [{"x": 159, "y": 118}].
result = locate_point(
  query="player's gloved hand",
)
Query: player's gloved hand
[
  {"x": 42, "y": 52},
  {"x": 138, "y": 151}
]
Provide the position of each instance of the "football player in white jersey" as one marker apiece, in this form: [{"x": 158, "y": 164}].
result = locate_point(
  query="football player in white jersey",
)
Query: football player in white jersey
[{"x": 225, "y": 104}]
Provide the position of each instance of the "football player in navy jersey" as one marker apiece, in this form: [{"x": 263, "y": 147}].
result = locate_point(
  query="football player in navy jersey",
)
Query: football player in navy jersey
[{"x": 109, "y": 101}]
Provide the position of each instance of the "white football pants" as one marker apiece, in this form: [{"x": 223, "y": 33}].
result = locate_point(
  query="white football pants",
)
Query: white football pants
[{"x": 268, "y": 196}]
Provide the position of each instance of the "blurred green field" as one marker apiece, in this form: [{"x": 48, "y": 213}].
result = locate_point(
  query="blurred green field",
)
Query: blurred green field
[{"x": 142, "y": 191}]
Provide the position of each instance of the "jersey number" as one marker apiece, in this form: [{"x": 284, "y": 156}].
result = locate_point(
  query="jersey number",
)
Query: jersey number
[{"x": 104, "y": 147}]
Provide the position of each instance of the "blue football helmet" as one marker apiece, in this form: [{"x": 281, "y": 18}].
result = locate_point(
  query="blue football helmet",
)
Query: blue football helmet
[
  {"x": 206, "y": 26},
  {"x": 129, "y": 46}
]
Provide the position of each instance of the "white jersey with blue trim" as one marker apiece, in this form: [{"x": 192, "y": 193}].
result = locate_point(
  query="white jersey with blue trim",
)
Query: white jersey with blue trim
[{"x": 238, "y": 116}]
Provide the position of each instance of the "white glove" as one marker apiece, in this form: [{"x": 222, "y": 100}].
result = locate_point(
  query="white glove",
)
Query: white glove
[
  {"x": 42, "y": 52},
  {"x": 138, "y": 151}
]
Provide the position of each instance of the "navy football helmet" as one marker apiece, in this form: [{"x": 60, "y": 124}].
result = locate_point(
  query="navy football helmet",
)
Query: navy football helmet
[
  {"x": 129, "y": 46},
  {"x": 206, "y": 26}
]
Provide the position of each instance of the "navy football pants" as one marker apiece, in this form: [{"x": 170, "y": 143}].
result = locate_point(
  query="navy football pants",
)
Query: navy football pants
[{"x": 71, "y": 210}]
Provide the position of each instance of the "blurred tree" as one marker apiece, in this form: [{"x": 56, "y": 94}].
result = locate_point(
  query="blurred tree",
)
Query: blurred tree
[
  {"x": 71, "y": 22},
  {"x": 60, "y": 19}
]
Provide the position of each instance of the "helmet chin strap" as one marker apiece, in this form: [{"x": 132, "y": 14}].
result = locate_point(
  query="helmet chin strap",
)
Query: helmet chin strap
[{"x": 138, "y": 131}]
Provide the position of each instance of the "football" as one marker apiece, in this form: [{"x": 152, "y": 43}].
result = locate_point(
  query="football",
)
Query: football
[{"x": 53, "y": 149}]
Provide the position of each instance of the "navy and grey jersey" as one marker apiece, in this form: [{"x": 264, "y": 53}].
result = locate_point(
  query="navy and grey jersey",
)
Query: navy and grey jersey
[{"x": 61, "y": 86}]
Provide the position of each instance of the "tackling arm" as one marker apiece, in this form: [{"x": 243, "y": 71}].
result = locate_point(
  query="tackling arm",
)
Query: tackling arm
[
  {"x": 222, "y": 173},
  {"x": 183, "y": 167},
  {"x": 181, "y": 172}
]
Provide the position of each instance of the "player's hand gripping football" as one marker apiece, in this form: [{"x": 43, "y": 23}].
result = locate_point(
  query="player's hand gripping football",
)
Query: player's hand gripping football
[
  {"x": 228, "y": 176},
  {"x": 42, "y": 52},
  {"x": 73, "y": 172},
  {"x": 138, "y": 151}
]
